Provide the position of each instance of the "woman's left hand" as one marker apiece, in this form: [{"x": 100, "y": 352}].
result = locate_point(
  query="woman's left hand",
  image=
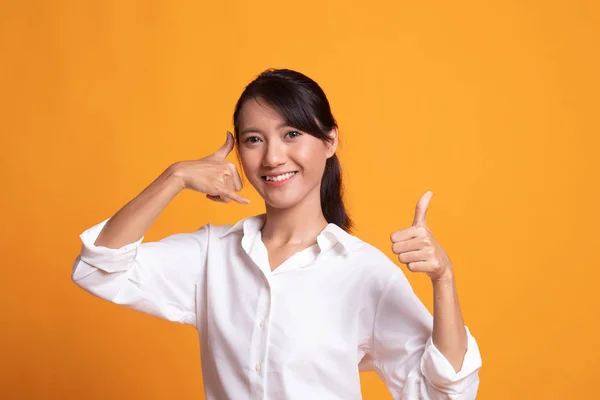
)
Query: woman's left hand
[{"x": 417, "y": 248}]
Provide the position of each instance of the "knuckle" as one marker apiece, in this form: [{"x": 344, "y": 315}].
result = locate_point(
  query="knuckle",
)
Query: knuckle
[{"x": 226, "y": 172}]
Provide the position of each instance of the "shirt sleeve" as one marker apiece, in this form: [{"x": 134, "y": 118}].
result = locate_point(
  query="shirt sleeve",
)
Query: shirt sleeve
[
  {"x": 405, "y": 357},
  {"x": 156, "y": 278}
]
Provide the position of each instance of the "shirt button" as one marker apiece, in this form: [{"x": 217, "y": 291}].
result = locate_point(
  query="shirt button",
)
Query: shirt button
[
  {"x": 262, "y": 323},
  {"x": 257, "y": 367}
]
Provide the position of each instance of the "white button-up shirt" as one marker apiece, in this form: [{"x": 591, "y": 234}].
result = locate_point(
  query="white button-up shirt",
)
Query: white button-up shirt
[{"x": 302, "y": 331}]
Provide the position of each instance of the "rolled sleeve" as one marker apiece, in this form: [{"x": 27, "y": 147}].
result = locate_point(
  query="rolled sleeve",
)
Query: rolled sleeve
[
  {"x": 156, "y": 278},
  {"x": 441, "y": 374},
  {"x": 404, "y": 354},
  {"x": 103, "y": 258}
]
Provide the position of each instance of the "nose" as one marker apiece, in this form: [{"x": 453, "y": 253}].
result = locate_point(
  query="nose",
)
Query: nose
[{"x": 275, "y": 154}]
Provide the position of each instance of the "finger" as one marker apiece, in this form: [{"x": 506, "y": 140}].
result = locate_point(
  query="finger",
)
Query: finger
[
  {"x": 215, "y": 198},
  {"x": 419, "y": 266},
  {"x": 421, "y": 211},
  {"x": 224, "y": 150},
  {"x": 237, "y": 181},
  {"x": 219, "y": 198},
  {"x": 409, "y": 245},
  {"x": 413, "y": 256},
  {"x": 235, "y": 197},
  {"x": 408, "y": 233},
  {"x": 229, "y": 182}
]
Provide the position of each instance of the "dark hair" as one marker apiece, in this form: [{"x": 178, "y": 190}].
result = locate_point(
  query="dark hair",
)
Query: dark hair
[{"x": 303, "y": 105}]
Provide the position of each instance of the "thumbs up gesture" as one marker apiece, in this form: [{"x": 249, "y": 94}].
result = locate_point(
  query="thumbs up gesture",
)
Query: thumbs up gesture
[
  {"x": 417, "y": 248},
  {"x": 213, "y": 175}
]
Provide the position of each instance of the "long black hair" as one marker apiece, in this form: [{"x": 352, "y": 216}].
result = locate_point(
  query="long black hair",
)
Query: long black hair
[{"x": 303, "y": 105}]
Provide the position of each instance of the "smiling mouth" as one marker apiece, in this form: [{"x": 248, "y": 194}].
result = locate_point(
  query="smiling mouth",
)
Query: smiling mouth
[{"x": 279, "y": 178}]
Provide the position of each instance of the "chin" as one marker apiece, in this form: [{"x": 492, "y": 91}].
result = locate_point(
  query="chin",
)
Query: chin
[{"x": 281, "y": 204}]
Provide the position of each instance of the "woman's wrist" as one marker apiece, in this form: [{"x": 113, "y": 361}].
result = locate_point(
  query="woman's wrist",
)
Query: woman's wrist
[{"x": 175, "y": 175}]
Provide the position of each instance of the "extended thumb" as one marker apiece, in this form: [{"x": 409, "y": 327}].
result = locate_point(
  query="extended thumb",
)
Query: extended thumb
[{"x": 224, "y": 150}]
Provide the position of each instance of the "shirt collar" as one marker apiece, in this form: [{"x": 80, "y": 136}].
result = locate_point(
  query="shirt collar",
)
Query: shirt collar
[{"x": 330, "y": 236}]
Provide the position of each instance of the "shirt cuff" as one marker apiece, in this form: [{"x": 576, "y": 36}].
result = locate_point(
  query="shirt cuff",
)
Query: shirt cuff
[
  {"x": 441, "y": 374},
  {"x": 105, "y": 258}
]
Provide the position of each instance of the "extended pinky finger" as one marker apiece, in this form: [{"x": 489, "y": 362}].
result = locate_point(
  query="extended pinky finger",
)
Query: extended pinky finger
[
  {"x": 235, "y": 197},
  {"x": 215, "y": 198}
]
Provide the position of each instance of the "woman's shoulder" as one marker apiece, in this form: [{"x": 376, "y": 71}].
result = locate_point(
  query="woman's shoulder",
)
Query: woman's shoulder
[
  {"x": 371, "y": 271},
  {"x": 371, "y": 260}
]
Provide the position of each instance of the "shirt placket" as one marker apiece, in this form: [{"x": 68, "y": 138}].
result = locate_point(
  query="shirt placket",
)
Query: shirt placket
[
  {"x": 258, "y": 345},
  {"x": 259, "y": 342}
]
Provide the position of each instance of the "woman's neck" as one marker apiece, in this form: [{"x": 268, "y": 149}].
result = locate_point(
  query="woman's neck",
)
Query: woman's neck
[{"x": 297, "y": 225}]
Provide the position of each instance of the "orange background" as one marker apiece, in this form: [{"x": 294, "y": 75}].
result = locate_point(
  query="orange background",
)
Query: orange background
[{"x": 492, "y": 106}]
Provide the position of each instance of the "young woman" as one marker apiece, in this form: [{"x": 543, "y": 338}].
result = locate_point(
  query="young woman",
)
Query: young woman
[{"x": 288, "y": 304}]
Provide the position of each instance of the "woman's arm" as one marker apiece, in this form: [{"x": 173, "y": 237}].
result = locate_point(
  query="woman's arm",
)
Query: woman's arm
[
  {"x": 418, "y": 249},
  {"x": 158, "y": 278},
  {"x": 449, "y": 334},
  {"x": 451, "y": 358},
  {"x": 212, "y": 175},
  {"x": 403, "y": 353},
  {"x": 132, "y": 221}
]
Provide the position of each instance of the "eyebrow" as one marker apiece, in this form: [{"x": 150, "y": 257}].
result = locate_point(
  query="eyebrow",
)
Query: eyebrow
[{"x": 256, "y": 130}]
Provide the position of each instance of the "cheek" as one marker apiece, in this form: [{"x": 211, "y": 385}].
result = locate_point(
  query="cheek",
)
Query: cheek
[
  {"x": 249, "y": 159},
  {"x": 311, "y": 158},
  {"x": 250, "y": 162}
]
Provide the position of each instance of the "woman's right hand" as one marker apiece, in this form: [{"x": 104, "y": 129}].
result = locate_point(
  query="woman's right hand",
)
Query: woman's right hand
[{"x": 212, "y": 175}]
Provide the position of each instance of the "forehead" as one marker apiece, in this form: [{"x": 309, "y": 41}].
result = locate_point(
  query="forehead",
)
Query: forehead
[{"x": 258, "y": 112}]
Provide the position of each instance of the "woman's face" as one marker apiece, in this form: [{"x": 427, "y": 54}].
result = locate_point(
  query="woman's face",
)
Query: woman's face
[{"x": 283, "y": 164}]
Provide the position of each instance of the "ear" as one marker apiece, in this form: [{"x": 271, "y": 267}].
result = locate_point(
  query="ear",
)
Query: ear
[{"x": 331, "y": 147}]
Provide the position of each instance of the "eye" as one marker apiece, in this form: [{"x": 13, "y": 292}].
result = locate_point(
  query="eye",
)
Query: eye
[
  {"x": 292, "y": 132},
  {"x": 250, "y": 139}
]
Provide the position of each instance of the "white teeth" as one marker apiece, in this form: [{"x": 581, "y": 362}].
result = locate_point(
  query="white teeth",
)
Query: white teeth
[{"x": 280, "y": 177}]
